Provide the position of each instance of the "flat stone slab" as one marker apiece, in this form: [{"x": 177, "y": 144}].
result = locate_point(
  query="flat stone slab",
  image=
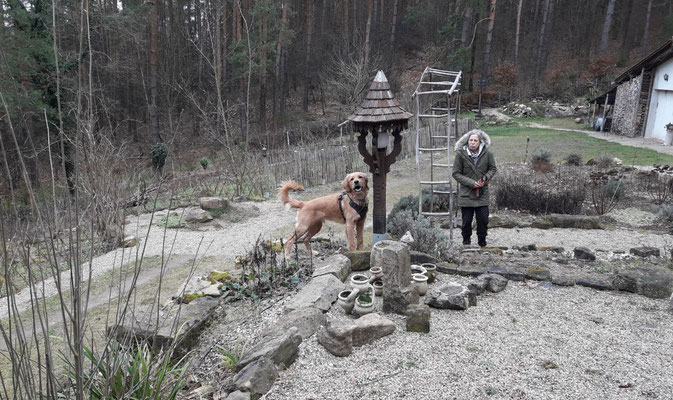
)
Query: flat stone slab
[
  {"x": 538, "y": 274},
  {"x": 338, "y": 265},
  {"x": 421, "y": 258},
  {"x": 563, "y": 280},
  {"x": 447, "y": 268},
  {"x": 370, "y": 328},
  {"x": 584, "y": 253},
  {"x": 649, "y": 281},
  {"x": 574, "y": 221},
  {"x": 320, "y": 293},
  {"x": 510, "y": 274},
  {"x": 645, "y": 251},
  {"x": 593, "y": 283},
  {"x": 471, "y": 270},
  {"x": 282, "y": 349},
  {"x": 307, "y": 320}
]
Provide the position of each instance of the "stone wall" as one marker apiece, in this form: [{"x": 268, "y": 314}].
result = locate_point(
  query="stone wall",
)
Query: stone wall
[{"x": 625, "y": 113}]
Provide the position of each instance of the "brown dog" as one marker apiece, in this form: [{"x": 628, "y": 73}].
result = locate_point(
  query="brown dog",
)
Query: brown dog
[{"x": 349, "y": 207}]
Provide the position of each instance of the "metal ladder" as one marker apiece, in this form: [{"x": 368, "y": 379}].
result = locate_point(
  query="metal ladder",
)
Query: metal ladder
[{"x": 435, "y": 87}]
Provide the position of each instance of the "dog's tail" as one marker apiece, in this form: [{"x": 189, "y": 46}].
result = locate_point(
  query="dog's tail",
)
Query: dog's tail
[{"x": 284, "y": 197}]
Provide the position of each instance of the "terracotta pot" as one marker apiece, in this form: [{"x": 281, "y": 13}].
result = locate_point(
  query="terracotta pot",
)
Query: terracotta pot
[
  {"x": 421, "y": 283},
  {"x": 431, "y": 271},
  {"x": 378, "y": 287}
]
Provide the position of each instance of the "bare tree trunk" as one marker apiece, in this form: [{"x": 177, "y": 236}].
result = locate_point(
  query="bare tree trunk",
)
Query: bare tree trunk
[
  {"x": 262, "y": 77},
  {"x": 154, "y": 72},
  {"x": 625, "y": 47},
  {"x": 279, "y": 70},
  {"x": 370, "y": 6},
  {"x": 644, "y": 43},
  {"x": 307, "y": 59},
  {"x": 541, "y": 43},
  {"x": 394, "y": 24},
  {"x": 467, "y": 24},
  {"x": 518, "y": 31},
  {"x": 347, "y": 24},
  {"x": 487, "y": 47},
  {"x": 607, "y": 24}
]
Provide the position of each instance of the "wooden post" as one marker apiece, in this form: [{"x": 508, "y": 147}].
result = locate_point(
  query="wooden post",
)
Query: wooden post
[{"x": 605, "y": 110}]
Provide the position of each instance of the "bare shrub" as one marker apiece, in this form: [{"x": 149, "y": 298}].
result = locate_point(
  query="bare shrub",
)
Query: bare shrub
[
  {"x": 659, "y": 187},
  {"x": 605, "y": 195},
  {"x": 562, "y": 193},
  {"x": 604, "y": 161},
  {"x": 541, "y": 160}
]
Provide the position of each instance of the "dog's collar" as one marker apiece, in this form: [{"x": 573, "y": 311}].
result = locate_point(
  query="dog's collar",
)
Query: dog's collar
[{"x": 361, "y": 210}]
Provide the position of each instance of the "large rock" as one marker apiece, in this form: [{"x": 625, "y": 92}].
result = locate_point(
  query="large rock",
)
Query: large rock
[
  {"x": 645, "y": 251},
  {"x": 574, "y": 221},
  {"x": 359, "y": 259},
  {"x": 453, "y": 296},
  {"x": 256, "y": 378},
  {"x": 538, "y": 273},
  {"x": 649, "y": 281},
  {"x": 282, "y": 349},
  {"x": 584, "y": 253},
  {"x": 541, "y": 224},
  {"x": 494, "y": 283},
  {"x": 196, "y": 215},
  {"x": 336, "y": 338},
  {"x": 510, "y": 274},
  {"x": 213, "y": 203},
  {"x": 594, "y": 283},
  {"x": 395, "y": 260},
  {"x": 495, "y": 221},
  {"x": 563, "y": 279},
  {"x": 320, "y": 292},
  {"x": 129, "y": 241},
  {"x": 338, "y": 265},
  {"x": 371, "y": 327},
  {"x": 307, "y": 320},
  {"x": 418, "y": 318}
]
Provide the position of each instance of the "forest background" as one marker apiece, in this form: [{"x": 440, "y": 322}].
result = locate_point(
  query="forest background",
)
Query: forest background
[{"x": 168, "y": 76}]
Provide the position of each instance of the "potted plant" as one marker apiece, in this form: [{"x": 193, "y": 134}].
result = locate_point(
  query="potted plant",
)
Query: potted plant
[
  {"x": 364, "y": 302},
  {"x": 431, "y": 271}
]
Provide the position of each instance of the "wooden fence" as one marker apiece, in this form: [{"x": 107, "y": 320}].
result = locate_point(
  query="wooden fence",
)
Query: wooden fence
[{"x": 327, "y": 161}]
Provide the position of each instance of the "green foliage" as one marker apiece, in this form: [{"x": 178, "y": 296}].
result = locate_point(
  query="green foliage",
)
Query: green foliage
[
  {"x": 204, "y": 162},
  {"x": 231, "y": 357},
  {"x": 573, "y": 159},
  {"x": 542, "y": 155},
  {"x": 365, "y": 298},
  {"x": 172, "y": 220},
  {"x": 132, "y": 373},
  {"x": 159, "y": 152}
]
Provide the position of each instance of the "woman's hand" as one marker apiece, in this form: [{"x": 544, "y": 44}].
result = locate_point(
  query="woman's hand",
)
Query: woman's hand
[{"x": 479, "y": 183}]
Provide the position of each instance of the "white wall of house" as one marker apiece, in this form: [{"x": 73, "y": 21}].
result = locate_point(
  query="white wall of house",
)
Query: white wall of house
[{"x": 661, "y": 102}]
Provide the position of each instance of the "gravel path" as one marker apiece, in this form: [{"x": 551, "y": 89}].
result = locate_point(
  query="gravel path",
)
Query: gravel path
[{"x": 605, "y": 345}]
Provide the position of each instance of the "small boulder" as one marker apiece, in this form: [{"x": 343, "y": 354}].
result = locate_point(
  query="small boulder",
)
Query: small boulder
[
  {"x": 320, "y": 292},
  {"x": 238, "y": 395},
  {"x": 583, "y": 253},
  {"x": 256, "y": 378},
  {"x": 371, "y": 327},
  {"x": 337, "y": 265},
  {"x": 563, "y": 280},
  {"x": 496, "y": 283},
  {"x": 359, "y": 259},
  {"x": 418, "y": 318},
  {"x": 129, "y": 241},
  {"x": 336, "y": 338},
  {"x": 553, "y": 249},
  {"x": 281, "y": 349},
  {"x": 213, "y": 203},
  {"x": 453, "y": 296},
  {"x": 649, "y": 281},
  {"x": 645, "y": 251},
  {"x": 578, "y": 120},
  {"x": 196, "y": 215},
  {"x": 212, "y": 290}
]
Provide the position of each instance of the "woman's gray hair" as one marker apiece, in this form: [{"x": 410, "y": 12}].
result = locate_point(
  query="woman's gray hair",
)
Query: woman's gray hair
[{"x": 478, "y": 132}]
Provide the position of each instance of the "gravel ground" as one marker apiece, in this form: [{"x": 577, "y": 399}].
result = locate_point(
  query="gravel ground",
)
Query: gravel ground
[{"x": 601, "y": 345}]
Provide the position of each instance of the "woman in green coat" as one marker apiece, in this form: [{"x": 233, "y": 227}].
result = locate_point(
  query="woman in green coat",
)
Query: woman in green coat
[{"x": 473, "y": 169}]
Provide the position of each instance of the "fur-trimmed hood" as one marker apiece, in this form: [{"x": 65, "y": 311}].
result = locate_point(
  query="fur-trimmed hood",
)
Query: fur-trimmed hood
[{"x": 486, "y": 140}]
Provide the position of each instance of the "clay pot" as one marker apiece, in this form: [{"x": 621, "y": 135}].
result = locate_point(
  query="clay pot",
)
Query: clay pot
[
  {"x": 346, "y": 300},
  {"x": 362, "y": 306},
  {"x": 431, "y": 271},
  {"x": 417, "y": 269},
  {"x": 420, "y": 283},
  {"x": 359, "y": 281},
  {"x": 376, "y": 271},
  {"x": 378, "y": 287}
]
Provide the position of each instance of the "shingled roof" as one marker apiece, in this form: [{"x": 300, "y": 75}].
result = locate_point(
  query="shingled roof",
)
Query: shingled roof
[{"x": 379, "y": 108}]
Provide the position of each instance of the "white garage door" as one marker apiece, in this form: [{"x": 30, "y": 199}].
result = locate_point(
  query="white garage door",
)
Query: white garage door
[{"x": 663, "y": 114}]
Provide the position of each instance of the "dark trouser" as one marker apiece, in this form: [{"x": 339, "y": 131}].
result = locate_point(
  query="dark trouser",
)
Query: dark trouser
[{"x": 482, "y": 222}]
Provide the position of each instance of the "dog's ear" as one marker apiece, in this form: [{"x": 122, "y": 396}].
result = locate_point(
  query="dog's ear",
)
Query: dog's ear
[
  {"x": 366, "y": 182},
  {"x": 346, "y": 185}
]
